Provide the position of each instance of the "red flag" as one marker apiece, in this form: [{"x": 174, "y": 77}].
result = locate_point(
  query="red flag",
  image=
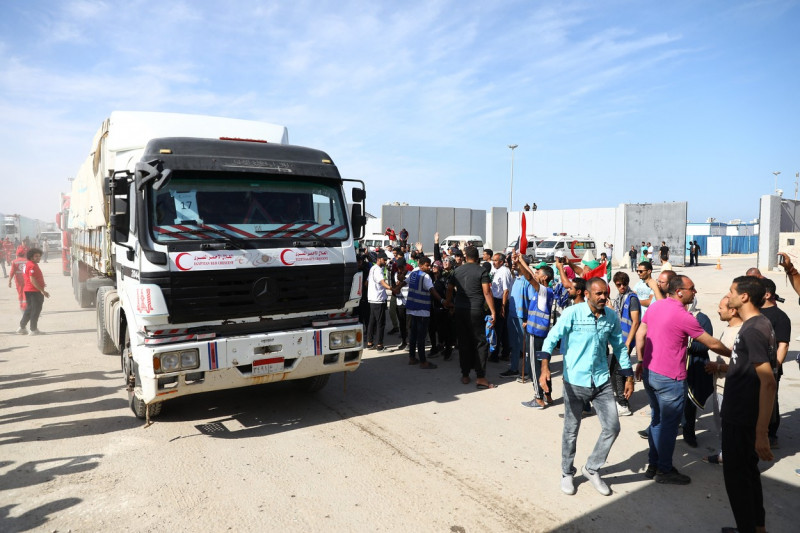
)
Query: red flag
[
  {"x": 597, "y": 272},
  {"x": 523, "y": 236}
]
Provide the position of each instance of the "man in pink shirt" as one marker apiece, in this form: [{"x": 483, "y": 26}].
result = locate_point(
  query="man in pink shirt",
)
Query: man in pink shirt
[{"x": 663, "y": 337}]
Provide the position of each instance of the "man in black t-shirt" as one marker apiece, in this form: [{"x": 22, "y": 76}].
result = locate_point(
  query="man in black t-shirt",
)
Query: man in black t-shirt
[
  {"x": 749, "y": 394},
  {"x": 782, "y": 327},
  {"x": 664, "y": 252},
  {"x": 470, "y": 286}
]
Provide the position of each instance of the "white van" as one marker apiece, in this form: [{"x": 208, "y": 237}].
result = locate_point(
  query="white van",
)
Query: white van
[
  {"x": 375, "y": 240},
  {"x": 531, "y": 250},
  {"x": 571, "y": 247},
  {"x": 453, "y": 240}
]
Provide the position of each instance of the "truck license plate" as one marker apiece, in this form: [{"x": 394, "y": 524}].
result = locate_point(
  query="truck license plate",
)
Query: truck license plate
[{"x": 267, "y": 366}]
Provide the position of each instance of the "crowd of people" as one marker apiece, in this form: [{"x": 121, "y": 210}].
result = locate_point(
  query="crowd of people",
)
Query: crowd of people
[{"x": 504, "y": 308}]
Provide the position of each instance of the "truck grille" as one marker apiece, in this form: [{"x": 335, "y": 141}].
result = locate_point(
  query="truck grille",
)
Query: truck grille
[{"x": 239, "y": 293}]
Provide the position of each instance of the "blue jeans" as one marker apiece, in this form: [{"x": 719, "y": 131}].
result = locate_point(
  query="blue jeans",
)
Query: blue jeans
[
  {"x": 667, "y": 397},
  {"x": 606, "y": 407},
  {"x": 416, "y": 341},
  {"x": 516, "y": 340}
]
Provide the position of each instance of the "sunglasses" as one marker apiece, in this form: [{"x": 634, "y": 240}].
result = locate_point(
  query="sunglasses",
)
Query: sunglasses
[{"x": 642, "y": 271}]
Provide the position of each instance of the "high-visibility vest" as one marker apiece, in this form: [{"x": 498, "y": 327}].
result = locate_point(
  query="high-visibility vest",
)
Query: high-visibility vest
[
  {"x": 539, "y": 321},
  {"x": 625, "y": 316},
  {"x": 418, "y": 298}
]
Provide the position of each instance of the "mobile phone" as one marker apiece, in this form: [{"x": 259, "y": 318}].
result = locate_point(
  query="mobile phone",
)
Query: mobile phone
[{"x": 780, "y": 259}]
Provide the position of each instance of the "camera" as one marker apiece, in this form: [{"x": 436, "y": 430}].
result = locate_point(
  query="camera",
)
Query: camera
[{"x": 781, "y": 259}]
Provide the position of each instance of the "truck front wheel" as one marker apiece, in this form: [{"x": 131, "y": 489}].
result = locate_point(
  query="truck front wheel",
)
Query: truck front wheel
[
  {"x": 314, "y": 383},
  {"x": 137, "y": 405}
]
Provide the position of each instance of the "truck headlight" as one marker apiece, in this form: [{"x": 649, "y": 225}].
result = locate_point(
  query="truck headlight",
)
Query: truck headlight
[
  {"x": 342, "y": 340},
  {"x": 336, "y": 340},
  {"x": 174, "y": 361}
]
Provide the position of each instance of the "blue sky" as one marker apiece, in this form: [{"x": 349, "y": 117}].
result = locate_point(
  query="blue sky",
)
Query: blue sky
[{"x": 610, "y": 102}]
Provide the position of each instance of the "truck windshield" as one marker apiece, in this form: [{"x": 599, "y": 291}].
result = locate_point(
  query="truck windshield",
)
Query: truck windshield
[{"x": 202, "y": 206}]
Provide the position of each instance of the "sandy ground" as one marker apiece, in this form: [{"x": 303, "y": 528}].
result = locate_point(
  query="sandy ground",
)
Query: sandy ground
[{"x": 389, "y": 448}]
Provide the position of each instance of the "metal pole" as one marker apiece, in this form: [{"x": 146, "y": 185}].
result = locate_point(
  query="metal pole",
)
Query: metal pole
[{"x": 511, "y": 192}]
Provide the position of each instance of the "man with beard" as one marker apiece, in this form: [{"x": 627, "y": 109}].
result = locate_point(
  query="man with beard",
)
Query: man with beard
[{"x": 590, "y": 327}]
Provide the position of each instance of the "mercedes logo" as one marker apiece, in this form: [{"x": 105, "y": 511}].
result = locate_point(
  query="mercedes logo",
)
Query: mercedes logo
[{"x": 261, "y": 291}]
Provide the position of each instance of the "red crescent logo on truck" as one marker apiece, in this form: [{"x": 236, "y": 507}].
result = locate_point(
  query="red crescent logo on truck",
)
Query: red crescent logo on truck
[
  {"x": 288, "y": 257},
  {"x": 178, "y": 262}
]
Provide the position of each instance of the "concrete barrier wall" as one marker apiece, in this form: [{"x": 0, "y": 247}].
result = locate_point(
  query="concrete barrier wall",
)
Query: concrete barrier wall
[
  {"x": 422, "y": 222},
  {"x": 655, "y": 223}
]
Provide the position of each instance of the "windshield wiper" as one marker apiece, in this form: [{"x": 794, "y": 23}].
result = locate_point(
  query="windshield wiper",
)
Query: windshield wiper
[
  {"x": 229, "y": 239},
  {"x": 314, "y": 235}
]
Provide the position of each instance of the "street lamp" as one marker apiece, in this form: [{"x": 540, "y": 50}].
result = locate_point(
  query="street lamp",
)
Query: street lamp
[
  {"x": 511, "y": 192},
  {"x": 776, "y": 180}
]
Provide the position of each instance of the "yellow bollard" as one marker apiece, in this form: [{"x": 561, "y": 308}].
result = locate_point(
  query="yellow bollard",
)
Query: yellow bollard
[{"x": 719, "y": 264}]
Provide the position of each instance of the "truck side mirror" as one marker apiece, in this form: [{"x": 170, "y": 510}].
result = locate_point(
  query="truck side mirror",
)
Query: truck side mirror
[
  {"x": 358, "y": 220},
  {"x": 119, "y": 219},
  {"x": 359, "y": 195}
]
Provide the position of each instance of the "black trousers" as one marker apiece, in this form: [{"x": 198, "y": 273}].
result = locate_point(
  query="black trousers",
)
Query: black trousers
[
  {"x": 35, "y": 301},
  {"x": 377, "y": 321},
  {"x": 775, "y": 420},
  {"x": 742, "y": 477},
  {"x": 444, "y": 327},
  {"x": 473, "y": 350}
]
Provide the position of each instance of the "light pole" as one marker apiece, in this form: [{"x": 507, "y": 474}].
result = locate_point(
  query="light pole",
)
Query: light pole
[
  {"x": 776, "y": 180},
  {"x": 511, "y": 192}
]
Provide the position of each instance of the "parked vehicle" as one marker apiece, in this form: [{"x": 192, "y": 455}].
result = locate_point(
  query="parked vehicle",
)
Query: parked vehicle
[
  {"x": 18, "y": 227},
  {"x": 456, "y": 240},
  {"x": 572, "y": 248},
  {"x": 217, "y": 254},
  {"x": 375, "y": 241},
  {"x": 533, "y": 240}
]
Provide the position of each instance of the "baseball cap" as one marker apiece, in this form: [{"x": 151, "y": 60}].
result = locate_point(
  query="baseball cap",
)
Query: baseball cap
[{"x": 540, "y": 265}]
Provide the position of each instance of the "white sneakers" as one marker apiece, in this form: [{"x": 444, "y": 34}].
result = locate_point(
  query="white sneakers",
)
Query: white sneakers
[
  {"x": 567, "y": 485},
  {"x": 623, "y": 410},
  {"x": 22, "y": 331},
  {"x": 596, "y": 481},
  {"x": 35, "y": 332}
]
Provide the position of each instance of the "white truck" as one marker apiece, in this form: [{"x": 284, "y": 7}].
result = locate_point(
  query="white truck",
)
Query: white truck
[
  {"x": 18, "y": 227},
  {"x": 218, "y": 256}
]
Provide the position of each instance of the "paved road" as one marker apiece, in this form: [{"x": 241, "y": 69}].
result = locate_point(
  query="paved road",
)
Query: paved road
[{"x": 392, "y": 448}]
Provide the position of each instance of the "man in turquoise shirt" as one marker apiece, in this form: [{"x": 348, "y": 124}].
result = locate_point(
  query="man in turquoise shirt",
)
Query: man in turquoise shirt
[{"x": 590, "y": 327}]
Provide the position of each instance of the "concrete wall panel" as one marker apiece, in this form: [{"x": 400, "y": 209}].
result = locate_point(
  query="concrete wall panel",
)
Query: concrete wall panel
[
  {"x": 427, "y": 227},
  {"x": 445, "y": 221},
  {"x": 477, "y": 224},
  {"x": 410, "y": 221},
  {"x": 391, "y": 217},
  {"x": 463, "y": 221},
  {"x": 655, "y": 223},
  {"x": 769, "y": 230}
]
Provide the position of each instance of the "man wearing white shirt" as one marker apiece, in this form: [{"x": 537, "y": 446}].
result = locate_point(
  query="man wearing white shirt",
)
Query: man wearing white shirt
[
  {"x": 502, "y": 280},
  {"x": 376, "y": 296}
]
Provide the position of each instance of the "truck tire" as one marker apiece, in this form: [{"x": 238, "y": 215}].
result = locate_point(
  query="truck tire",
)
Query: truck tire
[
  {"x": 139, "y": 408},
  {"x": 105, "y": 343},
  {"x": 84, "y": 297},
  {"x": 137, "y": 405},
  {"x": 312, "y": 384}
]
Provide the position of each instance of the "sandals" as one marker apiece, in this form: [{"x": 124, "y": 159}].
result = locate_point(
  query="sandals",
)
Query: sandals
[{"x": 484, "y": 386}]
